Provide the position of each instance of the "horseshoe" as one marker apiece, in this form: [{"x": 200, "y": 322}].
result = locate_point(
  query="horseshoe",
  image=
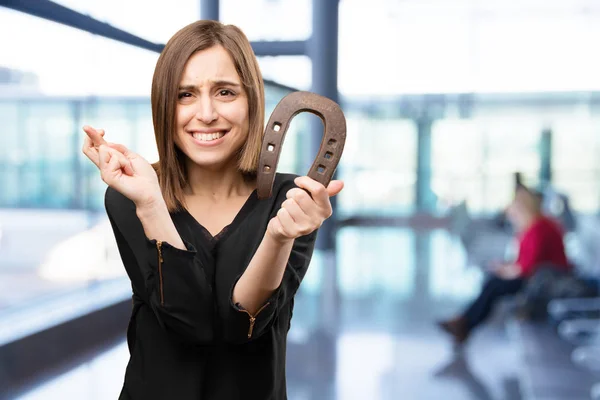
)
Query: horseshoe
[{"x": 332, "y": 144}]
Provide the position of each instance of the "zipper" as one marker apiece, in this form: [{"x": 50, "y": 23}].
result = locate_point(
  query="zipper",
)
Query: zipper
[
  {"x": 160, "y": 277},
  {"x": 252, "y": 317}
]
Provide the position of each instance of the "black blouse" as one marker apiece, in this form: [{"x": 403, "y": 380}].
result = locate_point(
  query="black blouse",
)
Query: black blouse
[{"x": 186, "y": 338}]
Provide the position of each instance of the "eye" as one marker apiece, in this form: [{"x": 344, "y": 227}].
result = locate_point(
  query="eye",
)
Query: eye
[
  {"x": 226, "y": 92},
  {"x": 184, "y": 94}
]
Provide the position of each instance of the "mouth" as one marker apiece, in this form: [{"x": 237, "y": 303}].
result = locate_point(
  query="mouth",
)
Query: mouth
[{"x": 209, "y": 138}]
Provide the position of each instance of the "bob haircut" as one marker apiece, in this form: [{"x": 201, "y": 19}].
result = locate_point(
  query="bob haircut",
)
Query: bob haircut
[{"x": 201, "y": 35}]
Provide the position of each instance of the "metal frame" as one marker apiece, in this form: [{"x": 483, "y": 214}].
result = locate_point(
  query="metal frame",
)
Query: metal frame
[{"x": 55, "y": 12}]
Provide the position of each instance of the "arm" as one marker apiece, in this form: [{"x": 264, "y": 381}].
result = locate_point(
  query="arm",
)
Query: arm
[
  {"x": 158, "y": 225},
  {"x": 165, "y": 272},
  {"x": 508, "y": 271},
  {"x": 276, "y": 269},
  {"x": 531, "y": 252},
  {"x": 168, "y": 279},
  {"x": 241, "y": 324},
  {"x": 264, "y": 273}
]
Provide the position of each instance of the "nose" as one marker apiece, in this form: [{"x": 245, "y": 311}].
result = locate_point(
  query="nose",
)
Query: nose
[{"x": 206, "y": 112}]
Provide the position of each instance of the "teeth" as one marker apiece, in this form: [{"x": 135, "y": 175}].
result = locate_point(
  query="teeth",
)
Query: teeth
[{"x": 207, "y": 137}]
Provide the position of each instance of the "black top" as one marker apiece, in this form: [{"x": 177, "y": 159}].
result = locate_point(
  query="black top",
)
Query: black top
[{"x": 186, "y": 338}]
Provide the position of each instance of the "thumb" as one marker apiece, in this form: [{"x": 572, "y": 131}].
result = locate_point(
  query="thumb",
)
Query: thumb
[{"x": 334, "y": 187}]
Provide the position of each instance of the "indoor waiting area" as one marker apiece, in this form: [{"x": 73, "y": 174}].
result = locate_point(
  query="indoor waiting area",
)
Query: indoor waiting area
[{"x": 461, "y": 259}]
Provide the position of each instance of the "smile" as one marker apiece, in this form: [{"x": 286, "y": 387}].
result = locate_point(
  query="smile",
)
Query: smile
[{"x": 208, "y": 137}]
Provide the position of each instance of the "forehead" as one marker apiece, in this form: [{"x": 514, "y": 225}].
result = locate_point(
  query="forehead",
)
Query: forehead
[{"x": 210, "y": 64}]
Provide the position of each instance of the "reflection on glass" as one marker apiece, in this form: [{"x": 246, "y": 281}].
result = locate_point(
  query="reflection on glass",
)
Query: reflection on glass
[
  {"x": 376, "y": 261},
  {"x": 450, "y": 277}
]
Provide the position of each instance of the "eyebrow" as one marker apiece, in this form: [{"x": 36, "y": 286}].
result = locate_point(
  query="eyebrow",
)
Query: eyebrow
[{"x": 216, "y": 83}]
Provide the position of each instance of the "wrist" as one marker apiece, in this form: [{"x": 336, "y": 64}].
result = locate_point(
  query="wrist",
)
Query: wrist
[
  {"x": 150, "y": 208},
  {"x": 278, "y": 239}
]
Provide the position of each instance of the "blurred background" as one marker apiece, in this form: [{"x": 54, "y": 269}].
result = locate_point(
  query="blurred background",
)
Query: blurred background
[{"x": 445, "y": 101}]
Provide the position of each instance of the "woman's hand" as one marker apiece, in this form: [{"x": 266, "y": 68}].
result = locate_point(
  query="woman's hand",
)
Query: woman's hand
[
  {"x": 508, "y": 271},
  {"x": 304, "y": 210},
  {"x": 125, "y": 171}
]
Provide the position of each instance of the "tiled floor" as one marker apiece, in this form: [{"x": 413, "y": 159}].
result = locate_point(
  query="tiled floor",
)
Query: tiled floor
[{"x": 393, "y": 286}]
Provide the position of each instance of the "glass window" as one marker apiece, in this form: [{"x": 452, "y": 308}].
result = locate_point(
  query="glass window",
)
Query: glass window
[
  {"x": 449, "y": 276},
  {"x": 483, "y": 46},
  {"x": 365, "y": 265},
  {"x": 52, "y": 197},
  {"x": 294, "y": 71},
  {"x": 475, "y": 160},
  {"x": 270, "y": 19},
  {"x": 575, "y": 168},
  {"x": 155, "y": 21},
  {"x": 11, "y": 157},
  {"x": 68, "y": 62},
  {"x": 378, "y": 166}
]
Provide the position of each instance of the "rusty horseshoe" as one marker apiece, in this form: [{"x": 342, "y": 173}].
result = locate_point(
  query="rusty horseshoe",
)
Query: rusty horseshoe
[{"x": 332, "y": 144}]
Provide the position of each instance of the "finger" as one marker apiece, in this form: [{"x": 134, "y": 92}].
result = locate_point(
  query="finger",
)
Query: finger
[
  {"x": 123, "y": 151},
  {"x": 118, "y": 160},
  {"x": 124, "y": 162},
  {"x": 113, "y": 163},
  {"x": 103, "y": 156},
  {"x": 334, "y": 187},
  {"x": 95, "y": 135},
  {"x": 294, "y": 210},
  {"x": 121, "y": 148},
  {"x": 286, "y": 222},
  {"x": 90, "y": 151},
  {"x": 306, "y": 203},
  {"x": 316, "y": 189}
]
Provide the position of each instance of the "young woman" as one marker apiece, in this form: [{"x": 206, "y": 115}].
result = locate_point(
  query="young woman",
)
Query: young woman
[{"x": 214, "y": 270}]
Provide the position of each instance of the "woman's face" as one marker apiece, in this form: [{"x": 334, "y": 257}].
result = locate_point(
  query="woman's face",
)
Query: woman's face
[
  {"x": 519, "y": 211},
  {"x": 515, "y": 214},
  {"x": 212, "y": 109}
]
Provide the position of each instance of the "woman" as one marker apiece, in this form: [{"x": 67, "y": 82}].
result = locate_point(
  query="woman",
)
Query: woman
[
  {"x": 540, "y": 243},
  {"x": 214, "y": 270}
]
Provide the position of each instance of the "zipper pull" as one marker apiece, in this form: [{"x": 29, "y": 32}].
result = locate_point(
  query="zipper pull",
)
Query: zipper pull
[
  {"x": 252, "y": 321},
  {"x": 159, "y": 246},
  {"x": 160, "y": 277}
]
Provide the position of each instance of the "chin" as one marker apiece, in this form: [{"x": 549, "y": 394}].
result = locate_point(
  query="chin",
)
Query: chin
[{"x": 212, "y": 161}]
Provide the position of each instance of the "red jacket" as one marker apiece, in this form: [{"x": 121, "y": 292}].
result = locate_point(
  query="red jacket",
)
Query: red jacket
[{"x": 541, "y": 243}]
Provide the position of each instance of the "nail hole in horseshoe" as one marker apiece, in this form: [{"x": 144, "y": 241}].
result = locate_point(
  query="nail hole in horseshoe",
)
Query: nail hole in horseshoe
[
  {"x": 332, "y": 143},
  {"x": 271, "y": 147},
  {"x": 276, "y": 126},
  {"x": 328, "y": 155},
  {"x": 321, "y": 169},
  {"x": 266, "y": 168}
]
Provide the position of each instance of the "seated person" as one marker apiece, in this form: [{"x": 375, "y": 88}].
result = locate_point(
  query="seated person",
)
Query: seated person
[{"x": 540, "y": 243}]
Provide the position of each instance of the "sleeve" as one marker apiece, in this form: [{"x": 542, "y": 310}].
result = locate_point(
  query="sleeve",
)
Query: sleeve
[
  {"x": 171, "y": 281},
  {"x": 240, "y": 326},
  {"x": 531, "y": 252}
]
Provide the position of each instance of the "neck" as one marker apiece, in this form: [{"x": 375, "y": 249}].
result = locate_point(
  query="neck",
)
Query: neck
[
  {"x": 217, "y": 183},
  {"x": 530, "y": 220}
]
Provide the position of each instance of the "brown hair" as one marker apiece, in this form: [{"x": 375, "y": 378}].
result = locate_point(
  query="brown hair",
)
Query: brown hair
[{"x": 195, "y": 37}]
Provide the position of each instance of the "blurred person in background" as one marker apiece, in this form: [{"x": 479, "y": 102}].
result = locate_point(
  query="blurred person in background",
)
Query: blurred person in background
[
  {"x": 214, "y": 269},
  {"x": 540, "y": 244}
]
